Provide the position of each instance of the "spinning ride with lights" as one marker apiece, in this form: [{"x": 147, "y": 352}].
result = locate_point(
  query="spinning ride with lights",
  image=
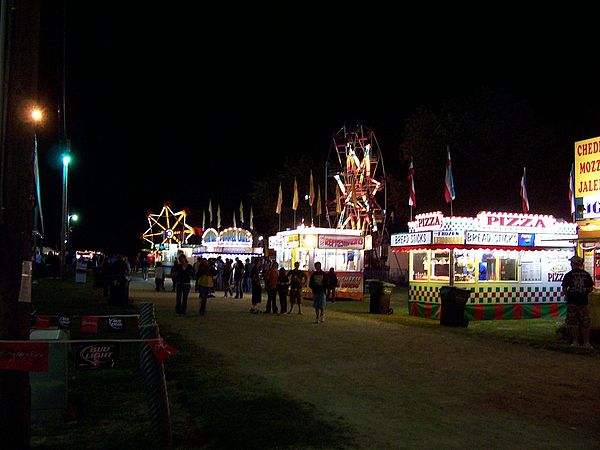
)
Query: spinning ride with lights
[
  {"x": 167, "y": 227},
  {"x": 356, "y": 164}
]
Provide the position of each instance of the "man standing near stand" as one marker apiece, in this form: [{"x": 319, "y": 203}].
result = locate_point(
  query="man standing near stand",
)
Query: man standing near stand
[
  {"x": 318, "y": 284},
  {"x": 577, "y": 284}
]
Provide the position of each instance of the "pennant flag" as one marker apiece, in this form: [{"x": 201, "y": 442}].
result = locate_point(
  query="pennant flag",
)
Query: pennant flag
[
  {"x": 234, "y": 224},
  {"x": 295, "y": 199},
  {"x": 338, "y": 201},
  {"x": 251, "y": 219},
  {"x": 24, "y": 356},
  {"x": 318, "y": 200},
  {"x": 203, "y": 219},
  {"x": 279, "y": 201},
  {"x": 311, "y": 191},
  {"x": 572, "y": 190},
  {"x": 218, "y": 216},
  {"x": 412, "y": 199},
  {"x": 354, "y": 200},
  {"x": 524, "y": 199},
  {"x": 242, "y": 213},
  {"x": 209, "y": 212},
  {"x": 449, "y": 185},
  {"x": 161, "y": 349}
]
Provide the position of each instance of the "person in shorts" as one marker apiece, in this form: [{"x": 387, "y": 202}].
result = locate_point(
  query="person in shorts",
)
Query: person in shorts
[
  {"x": 318, "y": 284},
  {"x": 297, "y": 282},
  {"x": 577, "y": 284}
]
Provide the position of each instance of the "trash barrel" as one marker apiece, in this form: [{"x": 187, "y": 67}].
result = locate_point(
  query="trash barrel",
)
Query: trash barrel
[
  {"x": 453, "y": 306},
  {"x": 380, "y": 294},
  {"x": 98, "y": 277},
  {"x": 119, "y": 292}
]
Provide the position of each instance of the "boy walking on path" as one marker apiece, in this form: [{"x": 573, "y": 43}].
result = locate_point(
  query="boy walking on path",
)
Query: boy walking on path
[
  {"x": 577, "y": 284},
  {"x": 318, "y": 284}
]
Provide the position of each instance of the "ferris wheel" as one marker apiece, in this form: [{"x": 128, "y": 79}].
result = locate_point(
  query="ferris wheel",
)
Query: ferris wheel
[
  {"x": 167, "y": 227},
  {"x": 356, "y": 164}
]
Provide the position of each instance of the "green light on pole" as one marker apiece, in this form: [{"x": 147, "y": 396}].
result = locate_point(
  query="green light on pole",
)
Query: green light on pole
[
  {"x": 74, "y": 217},
  {"x": 66, "y": 160}
]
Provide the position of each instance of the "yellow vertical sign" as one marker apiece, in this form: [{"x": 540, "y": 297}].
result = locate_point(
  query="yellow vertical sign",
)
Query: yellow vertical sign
[{"x": 587, "y": 167}]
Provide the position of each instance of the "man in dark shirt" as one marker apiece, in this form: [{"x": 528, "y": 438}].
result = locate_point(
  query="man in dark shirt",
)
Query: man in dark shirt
[
  {"x": 577, "y": 284},
  {"x": 318, "y": 283}
]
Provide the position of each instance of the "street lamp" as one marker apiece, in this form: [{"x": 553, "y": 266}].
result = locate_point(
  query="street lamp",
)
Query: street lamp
[
  {"x": 66, "y": 159},
  {"x": 37, "y": 116},
  {"x": 72, "y": 218}
]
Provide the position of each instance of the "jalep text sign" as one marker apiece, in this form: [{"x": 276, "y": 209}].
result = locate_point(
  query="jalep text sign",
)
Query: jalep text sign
[{"x": 587, "y": 167}]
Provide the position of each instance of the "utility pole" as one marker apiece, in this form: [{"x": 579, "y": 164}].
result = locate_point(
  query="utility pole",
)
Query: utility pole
[{"x": 19, "y": 60}]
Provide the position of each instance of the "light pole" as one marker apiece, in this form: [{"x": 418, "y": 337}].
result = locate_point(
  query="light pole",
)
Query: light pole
[
  {"x": 72, "y": 218},
  {"x": 37, "y": 116},
  {"x": 66, "y": 159}
]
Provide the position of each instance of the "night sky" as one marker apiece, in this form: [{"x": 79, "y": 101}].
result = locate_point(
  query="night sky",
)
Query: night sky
[{"x": 168, "y": 105}]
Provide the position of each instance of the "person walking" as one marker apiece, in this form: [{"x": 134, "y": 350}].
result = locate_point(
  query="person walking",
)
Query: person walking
[
  {"x": 271, "y": 278},
  {"x": 297, "y": 282},
  {"x": 577, "y": 284},
  {"x": 145, "y": 265},
  {"x": 283, "y": 286},
  {"x": 159, "y": 277},
  {"x": 332, "y": 283},
  {"x": 238, "y": 278},
  {"x": 318, "y": 285},
  {"x": 184, "y": 275},
  {"x": 256, "y": 287},
  {"x": 226, "y": 277},
  {"x": 206, "y": 273},
  {"x": 174, "y": 273}
]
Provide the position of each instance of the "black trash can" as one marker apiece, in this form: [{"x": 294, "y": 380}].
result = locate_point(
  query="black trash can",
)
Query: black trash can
[
  {"x": 380, "y": 294},
  {"x": 98, "y": 278},
  {"x": 453, "y": 306},
  {"x": 119, "y": 292}
]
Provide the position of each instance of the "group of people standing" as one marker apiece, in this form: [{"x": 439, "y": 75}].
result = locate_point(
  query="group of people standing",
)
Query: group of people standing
[{"x": 279, "y": 282}]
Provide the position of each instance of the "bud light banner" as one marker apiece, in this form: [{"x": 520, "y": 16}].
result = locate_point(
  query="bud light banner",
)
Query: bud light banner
[{"x": 97, "y": 356}]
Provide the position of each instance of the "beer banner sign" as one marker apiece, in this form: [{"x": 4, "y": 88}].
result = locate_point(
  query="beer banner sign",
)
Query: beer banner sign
[
  {"x": 24, "y": 356},
  {"x": 42, "y": 321},
  {"x": 97, "y": 356},
  {"x": 115, "y": 323},
  {"x": 64, "y": 322},
  {"x": 89, "y": 324}
]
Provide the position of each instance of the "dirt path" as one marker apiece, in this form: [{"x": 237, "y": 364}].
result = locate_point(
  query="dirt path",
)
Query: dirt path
[{"x": 400, "y": 386}]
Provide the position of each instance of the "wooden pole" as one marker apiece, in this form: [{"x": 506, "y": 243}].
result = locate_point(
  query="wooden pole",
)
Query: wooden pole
[{"x": 19, "y": 58}]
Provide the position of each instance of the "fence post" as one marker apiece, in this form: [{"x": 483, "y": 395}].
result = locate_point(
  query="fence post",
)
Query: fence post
[
  {"x": 147, "y": 316},
  {"x": 153, "y": 375}
]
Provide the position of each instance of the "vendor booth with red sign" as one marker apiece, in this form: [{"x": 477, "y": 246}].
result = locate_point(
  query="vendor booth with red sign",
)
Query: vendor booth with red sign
[
  {"x": 342, "y": 249},
  {"x": 513, "y": 264}
]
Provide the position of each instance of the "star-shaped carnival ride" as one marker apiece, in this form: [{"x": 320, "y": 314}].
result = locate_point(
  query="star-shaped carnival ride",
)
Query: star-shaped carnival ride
[{"x": 167, "y": 227}]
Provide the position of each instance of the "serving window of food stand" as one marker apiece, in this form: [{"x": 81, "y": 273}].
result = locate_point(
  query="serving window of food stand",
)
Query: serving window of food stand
[{"x": 511, "y": 263}]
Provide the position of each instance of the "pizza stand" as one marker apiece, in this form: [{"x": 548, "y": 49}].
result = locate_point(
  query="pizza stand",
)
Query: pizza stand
[
  {"x": 512, "y": 264},
  {"x": 342, "y": 249}
]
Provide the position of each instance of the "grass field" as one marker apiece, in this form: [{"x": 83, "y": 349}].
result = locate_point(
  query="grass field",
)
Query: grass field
[{"x": 357, "y": 381}]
